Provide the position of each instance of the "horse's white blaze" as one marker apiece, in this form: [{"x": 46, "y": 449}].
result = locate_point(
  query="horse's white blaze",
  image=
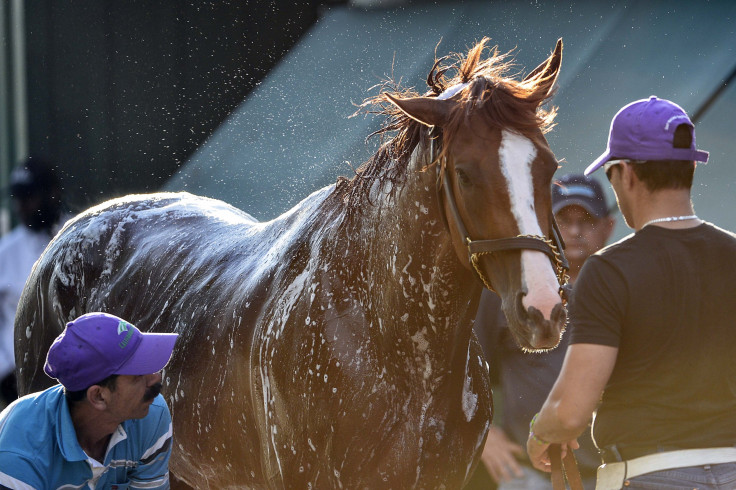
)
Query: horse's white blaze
[{"x": 516, "y": 155}]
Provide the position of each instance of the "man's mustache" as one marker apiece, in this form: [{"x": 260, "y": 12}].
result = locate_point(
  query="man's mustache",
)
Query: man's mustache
[{"x": 152, "y": 392}]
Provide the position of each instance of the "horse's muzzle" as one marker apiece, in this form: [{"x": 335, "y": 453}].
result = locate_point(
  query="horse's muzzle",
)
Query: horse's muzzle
[{"x": 534, "y": 332}]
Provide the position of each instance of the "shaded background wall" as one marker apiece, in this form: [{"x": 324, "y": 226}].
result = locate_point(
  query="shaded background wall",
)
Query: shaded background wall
[
  {"x": 121, "y": 93},
  {"x": 293, "y": 133},
  {"x": 137, "y": 96}
]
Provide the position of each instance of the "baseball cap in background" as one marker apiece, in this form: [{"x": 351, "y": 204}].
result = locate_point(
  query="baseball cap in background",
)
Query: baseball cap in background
[
  {"x": 32, "y": 176},
  {"x": 577, "y": 189},
  {"x": 98, "y": 345},
  {"x": 645, "y": 130}
]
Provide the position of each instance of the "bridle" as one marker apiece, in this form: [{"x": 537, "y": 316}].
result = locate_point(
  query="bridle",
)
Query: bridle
[{"x": 553, "y": 247}]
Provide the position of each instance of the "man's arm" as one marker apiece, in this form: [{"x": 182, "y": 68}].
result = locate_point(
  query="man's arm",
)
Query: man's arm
[
  {"x": 152, "y": 471},
  {"x": 18, "y": 473},
  {"x": 570, "y": 405}
]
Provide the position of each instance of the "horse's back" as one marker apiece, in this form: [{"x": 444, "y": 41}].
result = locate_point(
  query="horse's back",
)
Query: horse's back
[
  {"x": 178, "y": 263},
  {"x": 141, "y": 246}
]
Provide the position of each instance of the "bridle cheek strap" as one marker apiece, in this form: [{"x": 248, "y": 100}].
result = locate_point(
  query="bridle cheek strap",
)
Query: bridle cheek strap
[{"x": 477, "y": 248}]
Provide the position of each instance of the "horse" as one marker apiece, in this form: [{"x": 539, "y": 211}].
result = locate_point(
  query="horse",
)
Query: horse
[{"x": 332, "y": 346}]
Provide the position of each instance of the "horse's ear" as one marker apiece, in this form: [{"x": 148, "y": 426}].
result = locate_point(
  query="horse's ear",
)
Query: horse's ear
[
  {"x": 545, "y": 75},
  {"x": 429, "y": 111}
]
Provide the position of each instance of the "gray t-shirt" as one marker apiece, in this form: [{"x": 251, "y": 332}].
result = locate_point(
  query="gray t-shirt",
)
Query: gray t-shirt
[{"x": 665, "y": 298}]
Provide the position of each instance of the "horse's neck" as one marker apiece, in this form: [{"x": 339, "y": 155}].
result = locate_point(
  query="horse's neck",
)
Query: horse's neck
[{"x": 409, "y": 256}]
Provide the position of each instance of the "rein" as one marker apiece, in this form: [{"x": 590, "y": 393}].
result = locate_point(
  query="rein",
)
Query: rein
[
  {"x": 553, "y": 246},
  {"x": 564, "y": 469}
]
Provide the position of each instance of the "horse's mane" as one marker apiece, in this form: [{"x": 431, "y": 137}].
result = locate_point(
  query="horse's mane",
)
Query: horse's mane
[{"x": 502, "y": 102}]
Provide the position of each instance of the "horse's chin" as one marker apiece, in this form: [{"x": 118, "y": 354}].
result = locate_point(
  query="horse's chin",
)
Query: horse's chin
[{"x": 532, "y": 331}]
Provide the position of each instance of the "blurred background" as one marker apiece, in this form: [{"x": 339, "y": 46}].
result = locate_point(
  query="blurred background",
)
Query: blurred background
[{"x": 249, "y": 101}]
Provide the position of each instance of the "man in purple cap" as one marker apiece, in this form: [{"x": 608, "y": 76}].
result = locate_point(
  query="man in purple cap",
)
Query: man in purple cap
[
  {"x": 652, "y": 323},
  {"x": 105, "y": 425}
]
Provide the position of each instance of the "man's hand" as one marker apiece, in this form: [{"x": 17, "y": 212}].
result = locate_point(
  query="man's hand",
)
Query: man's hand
[
  {"x": 539, "y": 452},
  {"x": 569, "y": 406},
  {"x": 500, "y": 456}
]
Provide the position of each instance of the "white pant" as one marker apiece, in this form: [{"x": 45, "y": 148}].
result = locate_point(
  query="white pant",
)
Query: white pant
[{"x": 536, "y": 480}]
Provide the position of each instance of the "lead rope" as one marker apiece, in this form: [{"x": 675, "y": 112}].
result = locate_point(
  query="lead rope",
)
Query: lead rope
[{"x": 564, "y": 468}]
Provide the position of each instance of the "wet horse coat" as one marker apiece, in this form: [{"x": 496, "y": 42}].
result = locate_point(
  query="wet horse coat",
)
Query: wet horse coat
[{"x": 331, "y": 347}]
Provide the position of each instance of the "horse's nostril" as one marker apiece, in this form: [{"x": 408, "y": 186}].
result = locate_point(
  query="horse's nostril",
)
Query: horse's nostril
[
  {"x": 559, "y": 315},
  {"x": 535, "y": 317},
  {"x": 545, "y": 334},
  {"x": 520, "y": 302}
]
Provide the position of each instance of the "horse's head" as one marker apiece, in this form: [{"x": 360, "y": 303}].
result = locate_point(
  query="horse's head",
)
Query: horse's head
[{"x": 496, "y": 170}]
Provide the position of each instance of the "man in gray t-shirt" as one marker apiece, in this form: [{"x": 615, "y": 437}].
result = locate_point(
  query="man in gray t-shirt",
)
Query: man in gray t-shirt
[{"x": 652, "y": 337}]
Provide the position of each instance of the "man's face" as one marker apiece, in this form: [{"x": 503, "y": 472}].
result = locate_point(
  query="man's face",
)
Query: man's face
[
  {"x": 26, "y": 207},
  {"x": 36, "y": 209},
  {"x": 583, "y": 233},
  {"x": 133, "y": 395}
]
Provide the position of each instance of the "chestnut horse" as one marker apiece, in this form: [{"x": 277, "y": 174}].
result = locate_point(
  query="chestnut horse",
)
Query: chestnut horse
[{"x": 332, "y": 347}]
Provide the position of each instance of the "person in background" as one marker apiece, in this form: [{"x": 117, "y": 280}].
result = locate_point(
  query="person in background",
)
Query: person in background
[
  {"x": 105, "y": 425},
  {"x": 652, "y": 336},
  {"x": 582, "y": 213},
  {"x": 36, "y": 198}
]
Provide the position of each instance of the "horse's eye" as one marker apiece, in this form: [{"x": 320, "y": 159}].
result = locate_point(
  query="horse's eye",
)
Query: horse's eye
[{"x": 462, "y": 177}]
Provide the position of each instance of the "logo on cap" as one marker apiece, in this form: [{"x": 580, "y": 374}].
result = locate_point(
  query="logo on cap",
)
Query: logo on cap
[
  {"x": 123, "y": 327},
  {"x": 579, "y": 190}
]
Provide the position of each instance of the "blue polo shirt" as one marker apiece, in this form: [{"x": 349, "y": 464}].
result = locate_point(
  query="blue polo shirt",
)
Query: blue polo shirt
[{"x": 39, "y": 448}]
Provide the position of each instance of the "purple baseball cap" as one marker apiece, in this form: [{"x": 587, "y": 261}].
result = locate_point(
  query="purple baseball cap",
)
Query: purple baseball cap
[
  {"x": 644, "y": 130},
  {"x": 579, "y": 190},
  {"x": 98, "y": 345}
]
